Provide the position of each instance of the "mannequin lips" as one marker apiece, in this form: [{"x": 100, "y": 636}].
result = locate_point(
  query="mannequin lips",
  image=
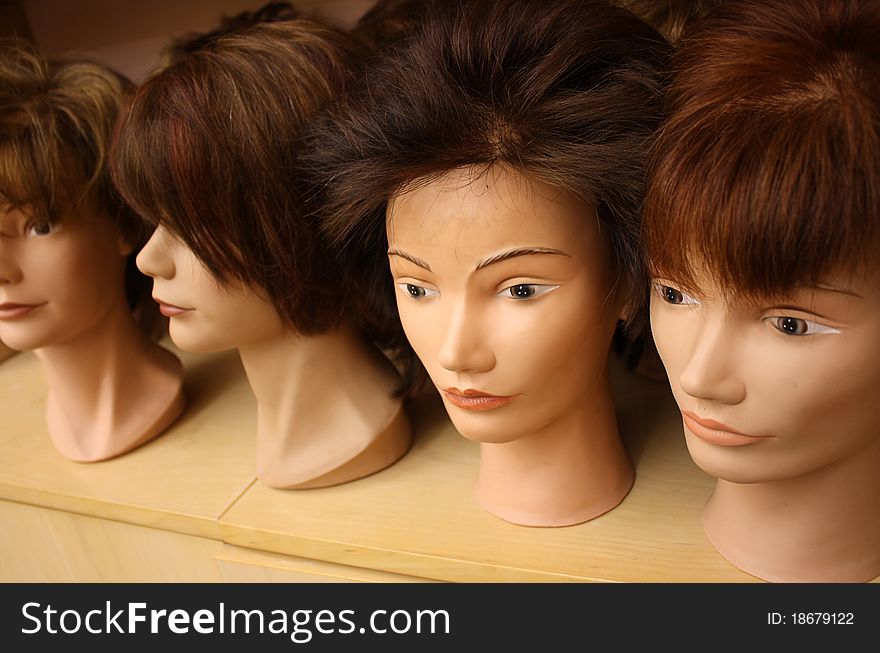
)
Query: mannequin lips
[
  {"x": 718, "y": 433},
  {"x": 12, "y": 311},
  {"x": 474, "y": 399},
  {"x": 170, "y": 310}
]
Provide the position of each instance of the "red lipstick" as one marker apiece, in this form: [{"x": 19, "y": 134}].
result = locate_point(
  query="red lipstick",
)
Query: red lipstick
[
  {"x": 474, "y": 399},
  {"x": 718, "y": 433},
  {"x": 17, "y": 311}
]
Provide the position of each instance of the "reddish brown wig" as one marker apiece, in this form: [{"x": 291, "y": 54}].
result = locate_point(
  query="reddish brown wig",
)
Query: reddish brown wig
[
  {"x": 767, "y": 171},
  {"x": 567, "y": 92},
  {"x": 56, "y": 119},
  {"x": 205, "y": 147}
]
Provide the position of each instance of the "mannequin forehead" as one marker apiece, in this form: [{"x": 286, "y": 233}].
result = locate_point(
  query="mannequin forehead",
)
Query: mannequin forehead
[{"x": 482, "y": 212}]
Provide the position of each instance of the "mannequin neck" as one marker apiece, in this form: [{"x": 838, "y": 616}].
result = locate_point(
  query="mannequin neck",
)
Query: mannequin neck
[
  {"x": 819, "y": 527},
  {"x": 571, "y": 471},
  {"x": 325, "y": 411},
  {"x": 111, "y": 389}
]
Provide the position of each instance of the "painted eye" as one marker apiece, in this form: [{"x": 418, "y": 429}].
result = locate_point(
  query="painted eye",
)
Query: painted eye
[
  {"x": 674, "y": 296},
  {"x": 41, "y": 228},
  {"x": 525, "y": 291},
  {"x": 417, "y": 292},
  {"x": 792, "y": 326},
  {"x": 796, "y": 326}
]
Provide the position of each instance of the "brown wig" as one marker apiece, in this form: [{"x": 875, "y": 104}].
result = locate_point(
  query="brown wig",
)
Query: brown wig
[
  {"x": 205, "y": 147},
  {"x": 269, "y": 13},
  {"x": 669, "y": 17},
  {"x": 56, "y": 120},
  {"x": 388, "y": 21},
  {"x": 568, "y": 93},
  {"x": 766, "y": 173}
]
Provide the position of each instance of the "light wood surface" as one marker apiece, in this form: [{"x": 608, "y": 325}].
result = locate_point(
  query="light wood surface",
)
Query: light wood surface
[
  {"x": 208, "y": 519},
  {"x": 182, "y": 481},
  {"x": 49, "y": 545},
  {"x": 419, "y": 517},
  {"x": 236, "y": 564},
  {"x": 5, "y": 352}
]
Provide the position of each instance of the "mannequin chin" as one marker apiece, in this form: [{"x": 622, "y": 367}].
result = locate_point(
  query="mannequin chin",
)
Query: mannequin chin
[
  {"x": 505, "y": 288},
  {"x": 111, "y": 389}
]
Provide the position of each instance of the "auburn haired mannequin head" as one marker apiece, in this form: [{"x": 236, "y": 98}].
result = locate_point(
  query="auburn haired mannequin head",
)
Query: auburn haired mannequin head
[
  {"x": 204, "y": 150},
  {"x": 67, "y": 277},
  {"x": 762, "y": 224},
  {"x": 518, "y": 126}
]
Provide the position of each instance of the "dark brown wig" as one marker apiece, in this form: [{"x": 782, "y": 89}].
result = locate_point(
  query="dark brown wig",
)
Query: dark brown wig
[
  {"x": 56, "y": 120},
  {"x": 205, "y": 147},
  {"x": 567, "y": 92},
  {"x": 766, "y": 173},
  {"x": 669, "y": 17},
  {"x": 388, "y": 21}
]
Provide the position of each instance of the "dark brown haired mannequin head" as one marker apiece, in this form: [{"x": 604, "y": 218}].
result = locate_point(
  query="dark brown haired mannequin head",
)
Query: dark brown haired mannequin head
[
  {"x": 762, "y": 224},
  {"x": 204, "y": 150},
  {"x": 66, "y": 261},
  {"x": 495, "y": 158}
]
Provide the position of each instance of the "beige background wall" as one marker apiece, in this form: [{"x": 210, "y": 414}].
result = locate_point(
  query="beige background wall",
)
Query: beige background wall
[{"x": 129, "y": 36}]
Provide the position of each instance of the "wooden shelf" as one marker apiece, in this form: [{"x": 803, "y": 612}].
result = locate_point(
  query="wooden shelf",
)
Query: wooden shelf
[
  {"x": 182, "y": 481},
  {"x": 419, "y": 516},
  {"x": 415, "y": 520}
]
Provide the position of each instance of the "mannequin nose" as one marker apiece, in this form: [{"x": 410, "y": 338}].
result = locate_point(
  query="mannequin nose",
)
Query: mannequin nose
[
  {"x": 465, "y": 345},
  {"x": 711, "y": 372},
  {"x": 154, "y": 259}
]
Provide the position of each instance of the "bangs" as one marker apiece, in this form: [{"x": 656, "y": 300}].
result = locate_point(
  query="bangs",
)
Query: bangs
[
  {"x": 170, "y": 167},
  {"x": 764, "y": 206},
  {"x": 37, "y": 173},
  {"x": 766, "y": 174}
]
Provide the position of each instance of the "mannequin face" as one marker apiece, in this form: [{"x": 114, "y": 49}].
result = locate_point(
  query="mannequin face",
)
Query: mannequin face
[
  {"x": 505, "y": 291},
  {"x": 205, "y": 315},
  {"x": 799, "y": 375},
  {"x": 57, "y": 282}
]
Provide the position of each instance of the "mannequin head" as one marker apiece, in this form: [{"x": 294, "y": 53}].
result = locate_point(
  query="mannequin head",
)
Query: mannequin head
[
  {"x": 204, "y": 151},
  {"x": 518, "y": 115},
  {"x": 762, "y": 224},
  {"x": 65, "y": 236},
  {"x": 503, "y": 284}
]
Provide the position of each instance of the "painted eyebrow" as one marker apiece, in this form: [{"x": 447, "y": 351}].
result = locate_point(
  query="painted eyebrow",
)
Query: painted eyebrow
[
  {"x": 409, "y": 257},
  {"x": 519, "y": 251},
  {"x": 497, "y": 258}
]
